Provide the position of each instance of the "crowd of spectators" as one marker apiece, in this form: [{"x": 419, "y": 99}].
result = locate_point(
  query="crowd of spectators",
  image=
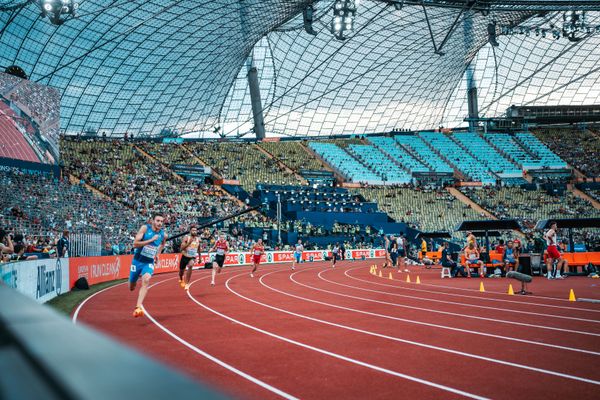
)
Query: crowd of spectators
[
  {"x": 119, "y": 170},
  {"x": 42, "y": 102},
  {"x": 42, "y": 206},
  {"x": 293, "y": 154},
  {"x": 432, "y": 209},
  {"x": 243, "y": 162},
  {"x": 530, "y": 206},
  {"x": 580, "y": 148}
]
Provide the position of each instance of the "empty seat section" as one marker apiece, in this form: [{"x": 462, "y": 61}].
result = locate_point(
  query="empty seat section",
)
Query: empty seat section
[
  {"x": 379, "y": 163},
  {"x": 458, "y": 156},
  {"x": 389, "y": 146},
  {"x": 486, "y": 154},
  {"x": 347, "y": 165},
  {"x": 426, "y": 155},
  {"x": 546, "y": 157}
]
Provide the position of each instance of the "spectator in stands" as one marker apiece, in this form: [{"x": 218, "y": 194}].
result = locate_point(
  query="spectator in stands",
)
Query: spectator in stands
[
  {"x": 6, "y": 244},
  {"x": 500, "y": 247},
  {"x": 63, "y": 245},
  {"x": 20, "y": 253},
  {"x": 473, "y": 258}
]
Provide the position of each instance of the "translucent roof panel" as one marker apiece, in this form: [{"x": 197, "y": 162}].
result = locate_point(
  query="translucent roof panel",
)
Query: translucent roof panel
[
  {"x": 532, "y": 70},
  {"x": 141, "y": 65},
  {"x": 384, "y": 76},
  {"x": 148, "y": 66}
]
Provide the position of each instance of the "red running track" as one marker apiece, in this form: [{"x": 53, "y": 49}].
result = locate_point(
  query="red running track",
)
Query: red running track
[
  {"x": 320, "y": 333},
  {"x": 12, "y": 142}
]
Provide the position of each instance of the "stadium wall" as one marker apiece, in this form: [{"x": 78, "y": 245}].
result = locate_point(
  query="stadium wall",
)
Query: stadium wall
[{"x": 45, "y": 279}]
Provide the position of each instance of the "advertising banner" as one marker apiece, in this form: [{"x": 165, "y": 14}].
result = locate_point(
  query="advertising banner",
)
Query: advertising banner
[
  {"x": 41, "y": 280},
  {"x": 108, "y": 268}
]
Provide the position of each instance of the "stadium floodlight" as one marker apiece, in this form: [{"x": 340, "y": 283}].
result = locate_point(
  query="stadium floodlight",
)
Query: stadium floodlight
[
  {"x": 573, "y": 24},
  {"x": 57, "y": 10},
  {"x": 344, "y": 12}
]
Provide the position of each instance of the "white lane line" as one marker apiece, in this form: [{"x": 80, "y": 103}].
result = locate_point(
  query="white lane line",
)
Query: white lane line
[
  {"x": 456, "y": 314},
  {"x": 529, "y": 297},
  {"x": 432, "y": 347},
  {"x": 80, "y": 306},
  {"x": 194, "y": 348},
  {"x": 466, "y": 304},
  {"x": 443, "y": 349},
  {"x": 76, "y": 313},
  {"x": 335, "y": 355},
  {"x": 530, "y": 342},
  {"x": 528, "y": 303}
]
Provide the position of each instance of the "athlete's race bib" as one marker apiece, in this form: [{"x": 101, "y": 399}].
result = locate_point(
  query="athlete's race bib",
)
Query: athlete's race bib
[
  {"x": 149, "y": 251},
  {"x": 472, "y": 256},
  {"x": 256, "y": 253},
  {"x": 221, "y": 252},
  {"x": 192, "y": 252}
]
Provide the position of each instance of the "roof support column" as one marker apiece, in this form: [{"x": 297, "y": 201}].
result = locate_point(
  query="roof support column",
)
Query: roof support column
[{"x": 470, "y": 74}]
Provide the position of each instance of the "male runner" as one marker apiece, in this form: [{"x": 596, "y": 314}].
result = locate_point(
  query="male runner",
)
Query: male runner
[
  {"x": 553, "y": 253},
  {"x": 148, "y": 243},
  {"x": 257, "y": 251},
  {"x": 298, "y": 253},
  {"x": 221, "y": 247},
  {"x": 189, "y": 255},
  {"x": 402, "y": 252},
  {"x": 335, "y": 254}
]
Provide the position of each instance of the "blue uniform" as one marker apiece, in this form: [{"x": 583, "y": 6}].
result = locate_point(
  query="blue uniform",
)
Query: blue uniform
[{"x": 143, "y": 258}]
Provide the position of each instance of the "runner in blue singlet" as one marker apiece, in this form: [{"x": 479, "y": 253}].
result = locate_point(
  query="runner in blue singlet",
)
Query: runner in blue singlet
[{"x": 148, "y": 244}]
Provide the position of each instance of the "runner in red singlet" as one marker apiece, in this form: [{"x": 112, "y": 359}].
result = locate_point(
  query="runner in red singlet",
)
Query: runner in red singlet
[
  {"x": 221, "y": 247},
  {"x": 257, "y": 251}
]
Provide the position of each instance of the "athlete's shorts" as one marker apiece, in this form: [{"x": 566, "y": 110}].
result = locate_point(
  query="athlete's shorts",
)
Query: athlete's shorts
[
  {"x": 139, "y": 269},
  {"x": 256, "y": 259},
  {"x": 401, "y": 253},
  {"x": 185, "y": 261},
  {"x": 510, "y": 260},
  {"x": 553, "y": 252},
  {"x": 298, "y": 257},
  {"x": 473, "y": 261},
  {"x": 220, "y": 260}
]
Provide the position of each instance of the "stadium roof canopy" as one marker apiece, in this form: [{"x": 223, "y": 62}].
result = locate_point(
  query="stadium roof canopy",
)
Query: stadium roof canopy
[{"x": 147, "y": 66}]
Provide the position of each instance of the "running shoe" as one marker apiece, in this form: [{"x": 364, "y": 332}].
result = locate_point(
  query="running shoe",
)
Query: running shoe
[
  {"x": 251, "y": 275},
  {"x": 187, "y": 287},
  {"x": 138, "y": 312},
  {"x": 182, "y": 284}
]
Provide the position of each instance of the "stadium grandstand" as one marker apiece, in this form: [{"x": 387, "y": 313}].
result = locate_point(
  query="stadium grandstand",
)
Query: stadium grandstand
[{"x": 292, "y": 193}]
